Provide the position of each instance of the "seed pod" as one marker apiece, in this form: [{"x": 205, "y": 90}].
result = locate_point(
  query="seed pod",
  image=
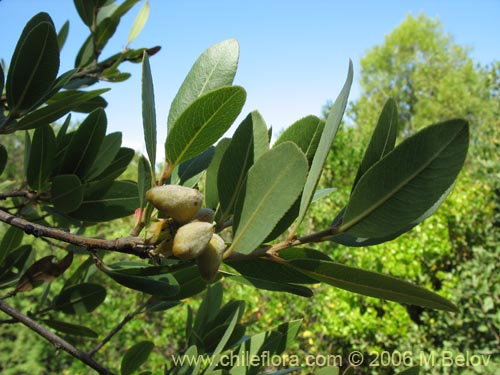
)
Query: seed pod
[
  {"x": 204, "y": 214},
  {"x": 179, "y": 202},
  {"x": 191, "y": 239},
  {"x": 210, "y": 259}
]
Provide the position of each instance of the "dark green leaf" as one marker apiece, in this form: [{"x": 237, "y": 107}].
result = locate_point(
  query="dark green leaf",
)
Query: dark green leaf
[
  {"x": 85, "y": 145},
  {"x": 139, "y": 22},
  {"x": 274, "y": 182},
  {"x": 143, "y": 278},
  {"x": 61, "y": 134},
  {"x": 144, "y": 180},
  {"x": 104, "y": 32},
  {"x": 66, "y": 193},
  {"x": 272, "y": 286},
  {"x": 190, "y": 282},
  {"x": 62, "y": 35},
  {"x": 211, "y": 193},
  {"x": 107, "y": 153},
  {"x": 239, "y": 156},
  {"x": 86, "y": 53},
  {"x": 26, "y": 153},
  {"x": 216, "y": 67},
  {"x": 80, "y": 299},
  {"x": 302, "y": 253},
  {"x": 193, "y": 167},
  {"x": 2, "y": 79},
  {"x": 371, "y": 284},
  {"x": 203, "y": 123},
  {"x": 135, "y": 357},
  {"x": 224, "y": 340},
  {"x": 85, "y": 9},
  {"x": 41, "y": 161},
  {"x": 3, "y": 158},
  {"x": 119, "y": 164},
  {"x": 52, "y": 112},
  {"x": 34, "y": 65},
  {"x": 227, "y": 311},
  {"x": 383, "y": 138},
  {"x": 120, "y": 200},
  {"x": 89, "y": 105},
  {"x": 407, "y": 182},
  {"x": 148, "y": 110},
  {"x": 213, "y": 337},
  {"x": 415, "y": 370},
  {"x": 324, "y": 146},
  {"x": 11, "y": 240},
  {"x": 270, "y": 270},
  {"x": 156, "y": 304},
  {"x": 208, "y": 309},
  {"x": 305, "y": 133},
  {"x": 288, "y": 331},
  {"x": 70, "y": 329}
]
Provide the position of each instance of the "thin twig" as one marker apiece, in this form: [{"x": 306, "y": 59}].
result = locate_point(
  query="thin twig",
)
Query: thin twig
[
  {"x": 126, "y": 245},
  {"x": 17, "y": 194},
  {"x": 57, "y": 341},
  {"x": 115, "y": 330}
]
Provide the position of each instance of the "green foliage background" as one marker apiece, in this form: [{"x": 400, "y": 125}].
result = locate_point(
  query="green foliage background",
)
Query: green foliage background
[{"x": 455, "y": 252}]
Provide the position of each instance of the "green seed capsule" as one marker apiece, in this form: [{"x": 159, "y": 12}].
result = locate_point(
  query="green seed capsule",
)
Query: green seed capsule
[
  {"x": 191, "y": 239},
  {"x": 210, "y": 259},
  {"x": 179, "y": 202}
]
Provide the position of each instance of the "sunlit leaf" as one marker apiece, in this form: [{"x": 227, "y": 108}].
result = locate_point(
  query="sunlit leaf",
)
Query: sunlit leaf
[
  {"x": 216, "y": 67},
  {"x": 324, "y": 146},
  {"x": 62, "y": 35},
  {"x": 274, "y": 182},
  {"x": 203, "y": 123},
  {"x": 139, "y": 22},
  {"x": 148, "y": 109}
]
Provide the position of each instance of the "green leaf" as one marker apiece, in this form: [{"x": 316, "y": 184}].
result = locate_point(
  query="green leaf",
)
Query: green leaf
[
  {"x": 41, "y": 160},
  {"x": 11, "y": 240},
  {"x": 407, "y": 182},
  {"x": 69, "y": 101},
  {"x": 215, "y": 68},
  {"x": 3, "y": 158},
  {"x": 26, "y": 153},
  {"x": 86, "y": 53},
  {"x": 305, "y": 133},
  {"x": 211, "y": 192},
  {"x": 86, "y": 107},
  {"x": 118, "y": 165},
  {"x": 327, "y": 370},
  {"x": 144, "y": 180},
  {"x": 203, "y": 123},
  {"x": 120, "y": 200},
  {"x": 193, "y": 167},
  {"x": 270, "y": 270},
  {"x": 14, "y": 265},
  {"x": 66, "y": 193},
  {"x": 371, "y": 284},
  {"x": 139, "y": 22},
  {"x": 136, "y": 278},
  {"x": 223, "y": 341},
  {"x": 135, "y": 357},
  {"x": 208, "y": 309},
  {"x": 383, "y": 139},
  {"x": 190, "y": 282},
  {"x": 148, "y": 109},
  {"x": 62, "y": 35},
  {"x": 240, "y": 155},
  {"x": 324, "y": 146},
  {"x": 104, "y": 31},
  {"x": 85, "y": 145},
  {"x": 272, "y": 286},
  {"x": 302, "y": 253},
  {"x": 274, "y": 182},
  {"x": 34, "y": 65},
  {"x": 85, "y": 10},
  {"x": 80, "y": 299},
  {"x": 69, "y": 328},
  {"x": 2, "y": 79},
  {"x": 107, "y": 153},
  {"x": 288, "y": 331}
]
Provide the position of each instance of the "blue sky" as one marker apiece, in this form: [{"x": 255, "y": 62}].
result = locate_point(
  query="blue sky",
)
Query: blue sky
[{"x": 294, "y": 54}]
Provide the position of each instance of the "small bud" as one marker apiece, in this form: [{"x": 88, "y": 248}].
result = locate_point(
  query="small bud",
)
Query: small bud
[
  {"x": 179, "y": 202},
  {"x": 210, "y": 259},
  {"x": 191, "y": 239},
  {"x": 205, "y": 214}
]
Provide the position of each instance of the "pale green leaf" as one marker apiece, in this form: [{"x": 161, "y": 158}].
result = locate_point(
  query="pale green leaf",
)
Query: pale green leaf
[{"x": 139, "y": 22}]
